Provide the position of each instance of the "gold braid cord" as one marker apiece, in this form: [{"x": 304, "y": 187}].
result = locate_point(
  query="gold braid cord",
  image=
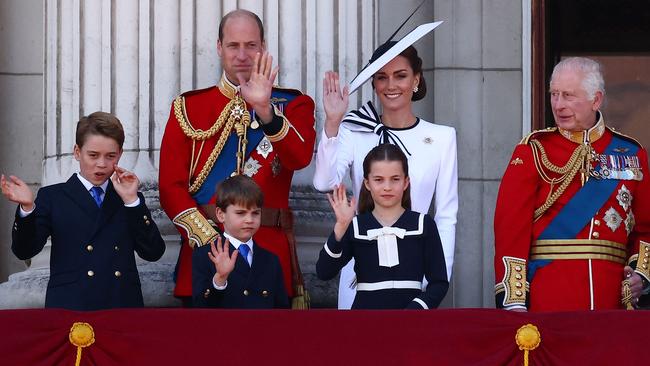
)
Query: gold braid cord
[
  {"x": 579, "y": 162},
  {"x": 234, "y": 114}
]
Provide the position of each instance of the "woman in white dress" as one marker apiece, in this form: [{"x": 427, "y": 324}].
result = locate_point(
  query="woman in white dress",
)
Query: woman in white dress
[{"x": 430, "y": 148}]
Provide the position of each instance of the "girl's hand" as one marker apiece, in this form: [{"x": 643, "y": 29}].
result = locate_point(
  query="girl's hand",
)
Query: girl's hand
[
  {"x": 335, "y": 103},
  {"x": 343, "y": 209},
  {"x": 223, "y": 262}
]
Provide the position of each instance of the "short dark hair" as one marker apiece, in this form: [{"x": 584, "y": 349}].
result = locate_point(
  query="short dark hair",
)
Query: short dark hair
[
  {"x": 99, "y": 123},
  {"x": 239, "y": 190},
  {"x": 383, "y": 152},
  {"x": 241, "y": 12},
  {"x": 411, "y": 54}
]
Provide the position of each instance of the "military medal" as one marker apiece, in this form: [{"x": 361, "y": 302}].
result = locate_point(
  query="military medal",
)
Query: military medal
[
  {"x": 629, "y": 222},
  {"x": 275, "y": 166},
  {"x": 251, "y": 167},
  {"x": 264, "y": 147},
  {"x": 624, "y": 197},
  {"x": 613, "y": 219}
]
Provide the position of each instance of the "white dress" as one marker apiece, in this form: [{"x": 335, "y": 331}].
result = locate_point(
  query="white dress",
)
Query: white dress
[{"x": 432, "y": 170}]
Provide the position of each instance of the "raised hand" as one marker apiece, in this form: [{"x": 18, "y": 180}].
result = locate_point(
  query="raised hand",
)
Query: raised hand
[
  {"x": 17, "y": 191},
  {"x": 335, "y": 102},
  {"x": 223, "y": 262},
  {"x": 126, "y": 184},
  {"x": 344, "y": 210},
  {"x": 256, "y": 91}
]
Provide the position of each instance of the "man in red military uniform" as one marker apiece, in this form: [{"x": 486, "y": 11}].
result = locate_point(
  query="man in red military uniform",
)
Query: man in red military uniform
[
  {"x": 244, "y": 125},
  {"x": 572, "y": 224}
]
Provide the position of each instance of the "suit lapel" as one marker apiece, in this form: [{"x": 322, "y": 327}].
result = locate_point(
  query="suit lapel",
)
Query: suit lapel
[
  {"x": 78, "y": 194},
  {"x": 112, "y": 202}
]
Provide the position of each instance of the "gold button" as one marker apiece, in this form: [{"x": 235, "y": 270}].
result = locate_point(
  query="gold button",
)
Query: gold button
[
  {"x": 245, "y": 292},
  {"x": 147, "y": 222},
  {"x": 595, "y": 234},
  {"x": 518, "y": 284},
  {"x": 145, "y": 217},
  {"x": 596, "y": 222},
  {"x": 265, "y": 293},
  {"x": 118, "y": 273},
  {"x": 645, "y": 260},
  {"x": 518, "y": 293},
  {"x": 518, "y": 276},
  {"x": 645, "y": 266},
  {"x": 116, "y": 248},
  {"x": 206, "y": 294},
  {"x": 192, "y": 216},
  {"x": 518, "y": 268},
  {"x": 89, "y": 248},
  {"x": 646, "y": 254},
  {"x": 91, "y": 273}
]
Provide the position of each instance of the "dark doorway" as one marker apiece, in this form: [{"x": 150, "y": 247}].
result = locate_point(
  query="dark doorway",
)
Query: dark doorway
[{"x": 617, "y": 34}]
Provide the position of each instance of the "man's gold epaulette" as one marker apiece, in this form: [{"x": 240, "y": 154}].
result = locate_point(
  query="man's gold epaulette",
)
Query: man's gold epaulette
[
  {"x": 295, "y": 92},
  {"x": 624, "y": 136},
  {"x": 527, "y": 138},
  {"x": 190, "y": 93}
]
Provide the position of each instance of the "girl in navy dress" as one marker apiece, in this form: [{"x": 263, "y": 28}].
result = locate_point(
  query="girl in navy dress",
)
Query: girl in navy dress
[{"x": 393, "y": 247}]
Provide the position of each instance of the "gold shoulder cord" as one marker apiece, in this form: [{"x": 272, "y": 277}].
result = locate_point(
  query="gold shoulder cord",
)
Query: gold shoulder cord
[
  {"x": 234, "y": 114},
  {"x": 579, "y": 162}
]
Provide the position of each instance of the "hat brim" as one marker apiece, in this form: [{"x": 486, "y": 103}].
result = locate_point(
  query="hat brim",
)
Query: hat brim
[{"x": 393, "y": 52}]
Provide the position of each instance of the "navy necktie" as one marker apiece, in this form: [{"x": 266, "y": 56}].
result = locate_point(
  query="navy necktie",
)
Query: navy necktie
[
  {"x": 96, "y": 192},
  {"x": 244, "y": 249}
]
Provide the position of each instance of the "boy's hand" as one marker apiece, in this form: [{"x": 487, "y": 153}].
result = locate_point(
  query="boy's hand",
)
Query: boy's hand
[
  {"x": 17, "y": 191},
  {"x": 223, "y": 262},
  {"x": 343, "y": 209},
  {"x": 126, "y": 184}
]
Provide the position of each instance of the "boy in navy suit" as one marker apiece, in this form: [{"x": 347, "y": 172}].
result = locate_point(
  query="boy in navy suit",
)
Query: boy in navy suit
[
  {"x": 250, "y": 278},
  {"x": 96, "y": 220}
]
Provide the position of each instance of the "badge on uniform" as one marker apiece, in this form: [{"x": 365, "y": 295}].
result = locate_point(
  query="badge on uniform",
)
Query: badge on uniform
[
  {"x": 251, "y": 167},
  {"x": 621, "y": 167},
  {"x": 264, "y": 147}
]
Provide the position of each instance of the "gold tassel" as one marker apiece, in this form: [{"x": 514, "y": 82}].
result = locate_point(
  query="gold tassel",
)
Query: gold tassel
[
  {"x": 301, "y": 301},
  {"x": 528, "y": 338},
  {"x": 81, "y": 335}
]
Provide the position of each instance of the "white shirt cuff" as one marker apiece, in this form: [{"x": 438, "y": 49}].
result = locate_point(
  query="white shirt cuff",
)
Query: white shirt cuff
[
  {"x": 22, "y": 213},
  {"x": 220, "y": 288},
  {"x": 134, "y": 203}
]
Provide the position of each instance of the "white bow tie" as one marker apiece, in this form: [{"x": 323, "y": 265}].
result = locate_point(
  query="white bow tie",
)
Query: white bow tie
[{"x": 387, "y": 244}]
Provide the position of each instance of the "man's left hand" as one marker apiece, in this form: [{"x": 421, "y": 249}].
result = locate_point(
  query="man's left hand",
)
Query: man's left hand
[
  {"x": 636, "y": 285},
  {"x": 256, "y": 91}
]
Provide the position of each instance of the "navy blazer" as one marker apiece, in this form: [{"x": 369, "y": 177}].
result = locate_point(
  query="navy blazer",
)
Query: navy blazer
[
  {"x": 92, "y": 265},
  {"x": 258, "y": 287}
]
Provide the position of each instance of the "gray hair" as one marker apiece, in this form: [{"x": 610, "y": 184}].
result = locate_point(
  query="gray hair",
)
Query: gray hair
[{"x": 592, "y": 80}]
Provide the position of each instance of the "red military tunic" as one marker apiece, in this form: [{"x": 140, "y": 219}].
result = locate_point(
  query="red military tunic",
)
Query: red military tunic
[
  {"x": 288, "y": 146},
  {"x": 572, "y": 273}
]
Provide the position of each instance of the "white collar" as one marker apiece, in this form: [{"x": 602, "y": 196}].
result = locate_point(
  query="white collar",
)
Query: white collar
[
  {"x": 236, "y": 242},
  {"x": 89, "y": 185}
]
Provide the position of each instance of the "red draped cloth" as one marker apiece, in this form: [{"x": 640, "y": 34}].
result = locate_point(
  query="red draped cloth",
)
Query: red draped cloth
[{"x": 322, "y": 337}]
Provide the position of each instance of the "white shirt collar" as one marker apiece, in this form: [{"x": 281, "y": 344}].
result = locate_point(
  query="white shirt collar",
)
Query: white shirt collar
[
  {"x": 236, "y": 243},
  {"x": 89, "y": 185}
]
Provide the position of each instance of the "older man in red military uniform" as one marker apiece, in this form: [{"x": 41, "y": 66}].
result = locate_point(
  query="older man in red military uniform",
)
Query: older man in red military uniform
[
  {"x": 244, "y": 125},
  {"x": 572, "y": 224}
]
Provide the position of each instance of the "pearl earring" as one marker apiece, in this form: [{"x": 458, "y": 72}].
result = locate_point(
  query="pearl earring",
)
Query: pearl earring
[{"x": 415, "y": 90}]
